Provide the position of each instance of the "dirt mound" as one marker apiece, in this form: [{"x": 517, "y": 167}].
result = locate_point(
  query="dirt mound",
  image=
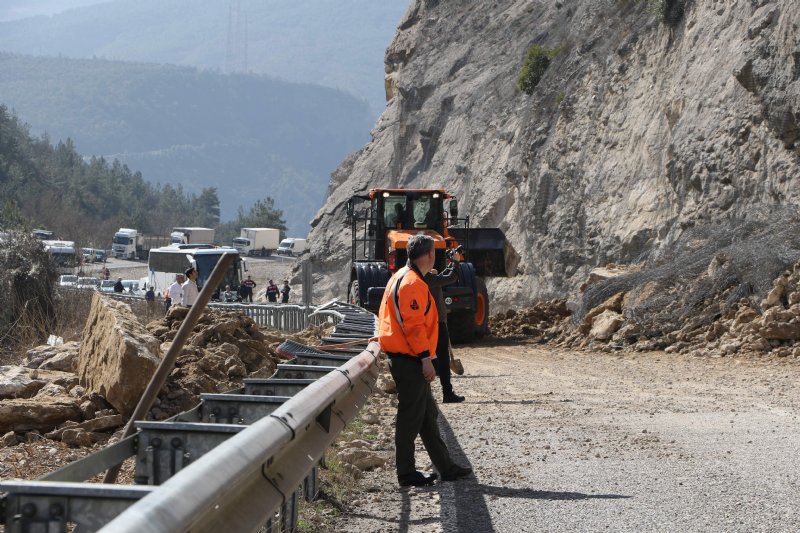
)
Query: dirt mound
[
  {"x": 763, "y": 324},
  {"x": 544, "y": 322},
  {"x": 224, "y": 348}
]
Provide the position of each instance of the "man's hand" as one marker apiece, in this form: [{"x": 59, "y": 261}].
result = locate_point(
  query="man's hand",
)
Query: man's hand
[
  {"x": 433, "y": 271},
  {"x": 427, "y": 370}
]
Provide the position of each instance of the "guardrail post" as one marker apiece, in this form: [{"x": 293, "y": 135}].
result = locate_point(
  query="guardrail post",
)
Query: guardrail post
[{"x": 308, "y": 282}]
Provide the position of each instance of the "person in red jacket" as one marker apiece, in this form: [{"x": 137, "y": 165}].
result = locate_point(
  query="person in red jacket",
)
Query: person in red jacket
[
  {"x": 408, "y": 332},
  {"x": 246, "y": 290}
]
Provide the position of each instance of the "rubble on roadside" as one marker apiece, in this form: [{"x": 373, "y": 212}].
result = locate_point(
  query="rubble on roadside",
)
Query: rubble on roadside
[
  {"x": 224, "y": 348},
  {"x": 767, "y": 324},
  {"x": 542, "y": 322},
  {"x": 92, "y": 393}
]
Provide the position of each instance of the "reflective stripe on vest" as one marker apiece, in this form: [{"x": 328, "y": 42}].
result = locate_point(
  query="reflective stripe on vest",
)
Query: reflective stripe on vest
[{"x": 397, "y": 296}]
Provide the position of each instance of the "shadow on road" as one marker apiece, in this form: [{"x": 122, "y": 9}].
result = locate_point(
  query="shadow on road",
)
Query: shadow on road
[
  {"x": 475, "y": 376},
  {"x": 505, "y": 402},
  {"x": 464, "y": 510},
  {"x": 531, "y": 494}
]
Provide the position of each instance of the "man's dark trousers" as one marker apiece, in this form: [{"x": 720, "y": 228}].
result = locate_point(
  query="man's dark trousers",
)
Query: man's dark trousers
[
  {"x": 442, "y": 361},
  {"x": 417, "y": 414}
]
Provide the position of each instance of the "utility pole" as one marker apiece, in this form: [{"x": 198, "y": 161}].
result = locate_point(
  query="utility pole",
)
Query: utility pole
[{"x": 237, "y": 42}]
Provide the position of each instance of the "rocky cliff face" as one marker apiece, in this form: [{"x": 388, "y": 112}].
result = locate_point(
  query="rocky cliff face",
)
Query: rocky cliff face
[{"x": 639, "y": 129}]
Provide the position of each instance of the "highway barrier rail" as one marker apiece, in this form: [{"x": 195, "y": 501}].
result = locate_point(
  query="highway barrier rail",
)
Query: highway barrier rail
[
  {"x": 236, "y": 462},
  {"x": 288, "y": 317}
]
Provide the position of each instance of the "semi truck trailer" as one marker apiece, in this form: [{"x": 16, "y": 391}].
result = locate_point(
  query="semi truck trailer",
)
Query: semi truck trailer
[
  {"x": 192, "y": 236},
  {"x": 257, "y": 241}
]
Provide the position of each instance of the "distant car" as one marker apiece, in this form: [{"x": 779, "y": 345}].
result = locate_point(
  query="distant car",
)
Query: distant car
[
  {"x": 292, "y": 247},
  {"x": 132, "y": 287},
  {"x": 88, "y": 255},
  {"x": 100, "y": 256},
  {"x": 88, "y": 283},
  {"x": 67, "y": 280},
  {"x": 107, "y": 285}
]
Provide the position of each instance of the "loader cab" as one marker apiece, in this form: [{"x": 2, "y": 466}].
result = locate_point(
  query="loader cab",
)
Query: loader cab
[
  {"x": 373, "y": 216},
  {"x": 411, "y": 210}
]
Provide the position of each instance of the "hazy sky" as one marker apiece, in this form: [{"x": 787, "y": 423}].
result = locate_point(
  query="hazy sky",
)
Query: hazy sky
[{"x": 17, "y": 9}]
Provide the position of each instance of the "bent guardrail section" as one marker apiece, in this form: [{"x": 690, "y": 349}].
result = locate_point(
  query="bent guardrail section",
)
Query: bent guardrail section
[{"x": 230, "y": 463}]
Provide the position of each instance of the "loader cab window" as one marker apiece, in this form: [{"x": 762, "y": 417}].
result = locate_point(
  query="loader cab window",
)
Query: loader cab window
[
  {"x": 427, "y": 212},
  {"x": 394, "y": 208}
]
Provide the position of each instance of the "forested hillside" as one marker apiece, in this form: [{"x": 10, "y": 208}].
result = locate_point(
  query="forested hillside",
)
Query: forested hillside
[
  {"x": 86, "y": 200},
  {"x": 336, "y": 44},
  {"x": 248, "y": 136}
]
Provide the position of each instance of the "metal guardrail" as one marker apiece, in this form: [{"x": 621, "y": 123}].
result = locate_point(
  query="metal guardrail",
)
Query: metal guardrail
[
  {"x": 229, "y": 464},
  {"x": 288, "y": 317}
]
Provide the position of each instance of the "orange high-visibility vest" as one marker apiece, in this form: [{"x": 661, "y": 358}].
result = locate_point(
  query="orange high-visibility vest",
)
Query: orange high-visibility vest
[{"x": 407, "y": 319}]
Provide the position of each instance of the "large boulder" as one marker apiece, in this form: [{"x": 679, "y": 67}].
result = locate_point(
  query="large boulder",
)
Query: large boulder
[
  {"x": 42, "y": 413},
  {"x": 117, "y": 355}
]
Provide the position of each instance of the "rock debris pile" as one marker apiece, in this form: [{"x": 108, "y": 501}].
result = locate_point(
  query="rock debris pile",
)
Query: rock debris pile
[
  {"x": 760, "y": 325},
  {"x": 223, "y": 349},
  {"x": 544, "y": 321},
  {"x": 81, "y": 393}
]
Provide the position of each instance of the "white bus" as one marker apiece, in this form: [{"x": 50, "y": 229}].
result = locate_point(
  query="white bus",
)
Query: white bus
[
  {"x": 63, "y": 254},
  {"x": 165, "y": 262}
]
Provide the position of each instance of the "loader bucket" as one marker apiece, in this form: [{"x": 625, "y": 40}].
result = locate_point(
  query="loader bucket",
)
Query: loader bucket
[{"x": 485, "y": 249}]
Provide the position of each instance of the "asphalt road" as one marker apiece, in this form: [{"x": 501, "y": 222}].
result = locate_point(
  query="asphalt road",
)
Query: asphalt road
[{"x": 564, "y": 441}]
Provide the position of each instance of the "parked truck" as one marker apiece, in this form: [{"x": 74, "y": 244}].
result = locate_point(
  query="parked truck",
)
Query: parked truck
[
  {"x": 128, "y": 243},
  {"x": 192, "y": 236},
  {"x": 164, "y": 263},
  {"x": 123, "y": 245},
  {"x": 257, "y": 241}
]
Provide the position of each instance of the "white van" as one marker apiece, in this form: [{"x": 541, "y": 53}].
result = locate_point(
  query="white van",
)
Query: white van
[{"x": 292, "y": 246}]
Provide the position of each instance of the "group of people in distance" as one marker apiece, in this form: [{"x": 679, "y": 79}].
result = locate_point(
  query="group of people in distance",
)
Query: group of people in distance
[
  {"x": 247, "y": 289},
  {"x": 184, "y": 291}
]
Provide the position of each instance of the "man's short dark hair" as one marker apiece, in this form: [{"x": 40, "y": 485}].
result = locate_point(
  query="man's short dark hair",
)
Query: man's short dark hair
[
  {"x": 189, "y": 271},
  {"x": 419, "y": 245}
]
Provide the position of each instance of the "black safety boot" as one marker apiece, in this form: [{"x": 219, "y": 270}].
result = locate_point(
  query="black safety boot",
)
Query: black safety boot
[
  {"x": 417, "y": 479},
  {"x": 452, "y": 398}
]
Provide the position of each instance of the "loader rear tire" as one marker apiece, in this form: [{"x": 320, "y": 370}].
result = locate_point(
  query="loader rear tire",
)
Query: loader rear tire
[{"x": 481, "y": 308}]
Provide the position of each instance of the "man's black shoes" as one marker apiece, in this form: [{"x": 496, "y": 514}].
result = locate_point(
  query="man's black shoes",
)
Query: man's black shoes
[
  {"x": 456, "y": 472},
  {"x": 453, "y": 398},
  {"x": 417, "y": 479}
]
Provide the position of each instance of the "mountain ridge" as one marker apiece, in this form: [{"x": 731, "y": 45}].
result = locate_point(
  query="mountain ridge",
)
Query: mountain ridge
[
  {"x": 248, "y": 136},
  {"x": 340, "y": 44}
]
